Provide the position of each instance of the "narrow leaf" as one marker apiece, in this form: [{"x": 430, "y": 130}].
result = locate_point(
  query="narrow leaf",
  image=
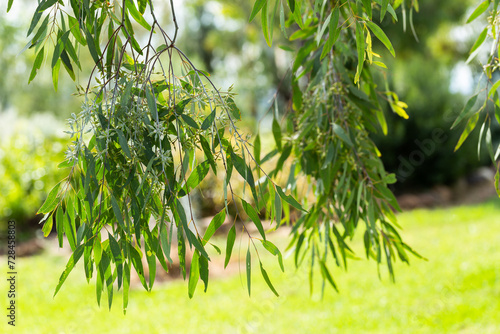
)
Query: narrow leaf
[
  {"x": 51, "y": 201},
  {"x": 208, "y": 121},
  {"x": 194, "y": 274},
  {"x": 483, "y": 6},
  {"x": 137, "y": 15},
  {"x": 249, "y": 270},
  {"x": 254, "y": 216},
  {"x": 360, "y": 46},
  {"x": 268, "y": 281},
  {"x": 73, "y": 259},
  {"x": 381, "y": 36},
  {"x": 214, "y": 225},
  {"x": 339, "y": 131},
  {"x": 231, "y": 237},
  {"x": 466, "y": 111},
  {"x": 289, "y": 199},
  {"x": 256, "y": 8},
  {"x": 471, "y": 124},
  {"x": 123, "y": 143}
]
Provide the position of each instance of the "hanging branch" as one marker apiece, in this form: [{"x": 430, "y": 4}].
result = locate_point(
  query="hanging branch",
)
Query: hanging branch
[{"x": 147, "y": 111}]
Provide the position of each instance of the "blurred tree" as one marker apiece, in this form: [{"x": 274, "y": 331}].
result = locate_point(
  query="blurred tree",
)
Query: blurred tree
[
  {"x": 422, "y": 76},
  {"x": 28, "y": 170},
  {"x": 232, "y": 48}
]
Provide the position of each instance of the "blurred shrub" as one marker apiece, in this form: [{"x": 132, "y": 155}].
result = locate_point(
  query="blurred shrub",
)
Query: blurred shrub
[
  {"x": 420, "y": 150},
  {"x": 28, "y": 170}
]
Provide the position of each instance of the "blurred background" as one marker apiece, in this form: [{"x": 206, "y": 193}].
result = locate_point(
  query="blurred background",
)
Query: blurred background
[{"x": 429, "y": 74}]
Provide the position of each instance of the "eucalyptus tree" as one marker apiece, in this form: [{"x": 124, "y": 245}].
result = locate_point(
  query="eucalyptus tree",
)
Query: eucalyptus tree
[{"x": 148, "y": 109}]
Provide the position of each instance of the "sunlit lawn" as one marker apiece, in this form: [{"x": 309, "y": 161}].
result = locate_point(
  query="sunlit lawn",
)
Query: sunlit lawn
[{"x": 456, "y": 291}]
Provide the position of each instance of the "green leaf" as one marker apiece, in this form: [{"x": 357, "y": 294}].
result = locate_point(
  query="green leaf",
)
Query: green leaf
[
  {"x": 153, "y": 108},
  {"x": 60, "y": 226},
  {"x": 195, "y": 177},
  {"x": 137, "y": 15},
  {"x": 282, "y": 20},
  {"x": 67, "y": 64},
  {"x": 289, "y": 199},
  {"x": 381, "y": 36},
  {"x": 233, "y": 109},
  {"x": 208, "y": 153},
  {"x": 268, "y": 281},
  {"x": 214, "y": 225},
  {"x": 142, "y": 5},
  {"x": 204, "y": 274},
  {"x": 471, "y": 124},
  {"x": 267, "y": 24},
  {"x": 136, "y": 256},
  {"x": 74, "y": 27},
  {"x": 69, "y": 230},
  {"x": 360, "y": 46},
  {"x": 126, "y": 286},
  {"x": 209, "y": 120},
  {"x": 277, "y": 133},
  {"x": 35, "y": 19},
  {"x": 291, "y": 4},
  {"x": 249, "y": 270},
  {"x": 118, "y": 213},
  {"x": 466, "y": 111},
  {"x": 339, "y": 131},
  {"x": 383, "y": 9},
  {"x": 115, "y": 249},
  {"x": 51, "y": 201},
  {"x": 46, "y": 5},
  {"x": 73, "y": 259},
  {"x": 231, "y": 237},
  {"x": 278, "y": 209},
  {"x": 123, "y": 143},
  {"x": 37, "y": 64},
  {"x": 479, "y": 41},
  {"x": 91, "y": 44},
  {"x": 333, "y": 32},
  {"x": 256, "y": 8},
  {"x": 181, "y": 250},
  {"x": 145, "y": 174},
  {"x": 9, "y": 5},
  {"x": 326, "y": 274},
  {"x": 367, "y": 4},
  {"x": 47, "y": 227},
  {"x": 322, "y": 28},
  {"x": 254, "y": 216},
  {"x": 271, "y": 248},
  {"x": 59, "y": 48},
  {"x": 189, "y": 121},
  {"x": 194, "y": 274},
  {"x": 256, "y": 148},
  {"x": 494, "y": 88},
  {"x": 196, "y": 243},
  {"x": 483, "y": 6},
  {"x": 243, "y": 169},
  {"x": 165, "y": 241}
]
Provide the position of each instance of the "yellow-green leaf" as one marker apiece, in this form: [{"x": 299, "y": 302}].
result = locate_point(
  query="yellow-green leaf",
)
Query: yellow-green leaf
[
  {"x": 483, "y": 6},
  {"x": 471, "y": 124},
  {"x": 360, "y": 46},
  {"x": 381, "y": 36}
]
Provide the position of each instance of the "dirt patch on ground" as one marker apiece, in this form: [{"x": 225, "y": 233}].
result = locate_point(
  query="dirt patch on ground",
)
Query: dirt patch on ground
[{"x": 477, "y": 187}]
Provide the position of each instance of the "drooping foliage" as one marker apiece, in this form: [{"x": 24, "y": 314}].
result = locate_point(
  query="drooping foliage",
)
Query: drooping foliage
[{"x": 148, "y": 109}]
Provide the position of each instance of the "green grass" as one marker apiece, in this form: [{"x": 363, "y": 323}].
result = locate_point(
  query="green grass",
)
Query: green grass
[{"x": 456, "y": 291}]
